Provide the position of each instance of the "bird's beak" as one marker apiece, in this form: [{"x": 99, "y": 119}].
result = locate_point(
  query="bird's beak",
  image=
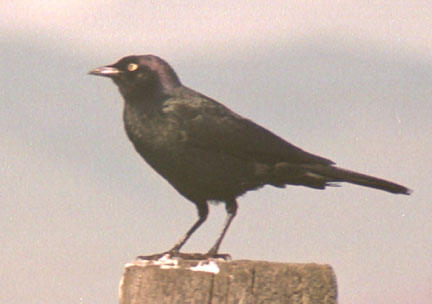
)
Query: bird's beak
[{"x": 106, "y": 71}]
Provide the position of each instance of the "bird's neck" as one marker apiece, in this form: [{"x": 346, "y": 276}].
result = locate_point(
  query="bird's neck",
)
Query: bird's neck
[
  {"x": 145, "y": 105},
  {"x": 146, "y": 99}
]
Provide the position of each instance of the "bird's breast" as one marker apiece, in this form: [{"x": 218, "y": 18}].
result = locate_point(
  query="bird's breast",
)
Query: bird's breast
[{"x": 151, "y": 132}]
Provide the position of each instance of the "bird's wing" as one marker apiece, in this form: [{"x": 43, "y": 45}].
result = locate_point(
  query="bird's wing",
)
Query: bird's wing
[{"x": 208, "y": 124}]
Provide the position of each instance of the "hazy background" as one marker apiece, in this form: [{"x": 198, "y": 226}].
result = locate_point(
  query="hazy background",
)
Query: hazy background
[{"x": 348, "y": 80}]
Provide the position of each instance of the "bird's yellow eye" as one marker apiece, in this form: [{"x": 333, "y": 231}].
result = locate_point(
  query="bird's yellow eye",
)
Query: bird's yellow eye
[{"x": 132, "y": 67}]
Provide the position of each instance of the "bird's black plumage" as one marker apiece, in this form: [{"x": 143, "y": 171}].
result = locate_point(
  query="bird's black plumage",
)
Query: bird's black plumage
[{"x": 205, "y": 150}]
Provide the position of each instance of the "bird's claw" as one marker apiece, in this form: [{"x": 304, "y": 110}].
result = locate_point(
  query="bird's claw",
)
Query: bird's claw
[{"x": 185, "y": 256}]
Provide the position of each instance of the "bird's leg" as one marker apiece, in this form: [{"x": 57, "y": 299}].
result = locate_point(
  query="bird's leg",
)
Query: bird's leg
[
  {"x": 202, "y": 217},
  {"x": 231, "y": 208}
]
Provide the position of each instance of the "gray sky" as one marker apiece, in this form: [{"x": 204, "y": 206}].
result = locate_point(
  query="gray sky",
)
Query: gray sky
[{"x": 348, "y": 80}]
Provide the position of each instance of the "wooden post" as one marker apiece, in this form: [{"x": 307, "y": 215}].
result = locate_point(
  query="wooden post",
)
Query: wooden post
[{"x": 219, "y": 281}]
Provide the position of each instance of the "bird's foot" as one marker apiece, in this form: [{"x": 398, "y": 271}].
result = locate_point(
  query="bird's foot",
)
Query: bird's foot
[
  {"x": 185, "y": 256},
  {"x": 153, "y": 257},
  {"x": 223, "y": 256},
  {"x": 202, "y": 256}
]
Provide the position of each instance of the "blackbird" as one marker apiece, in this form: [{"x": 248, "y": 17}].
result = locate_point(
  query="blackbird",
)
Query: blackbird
[{"x": 207, "y": 152}]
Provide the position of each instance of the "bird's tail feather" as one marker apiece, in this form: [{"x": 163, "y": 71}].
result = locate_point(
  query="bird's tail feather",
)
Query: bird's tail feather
[
  {"x": 343, "y": 175},
  {"x": 320, "y": 176}
]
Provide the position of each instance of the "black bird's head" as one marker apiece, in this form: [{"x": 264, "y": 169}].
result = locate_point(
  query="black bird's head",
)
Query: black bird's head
[{"x": 140, "y": 75}]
